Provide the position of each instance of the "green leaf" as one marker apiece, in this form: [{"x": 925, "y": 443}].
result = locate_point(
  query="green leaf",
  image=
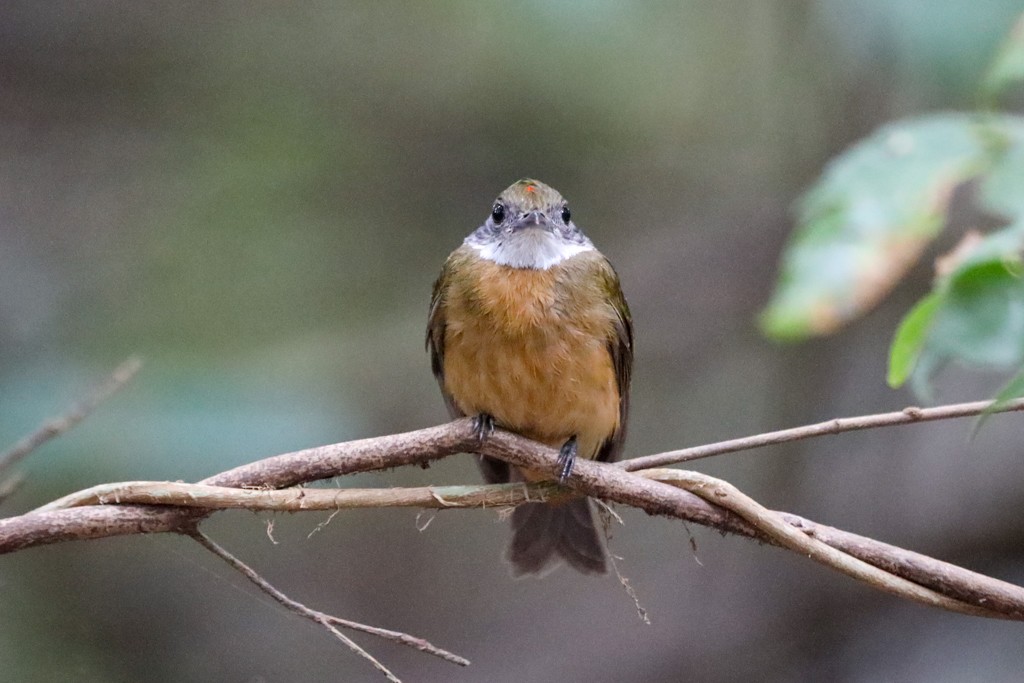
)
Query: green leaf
[
  {"x": 867, "y": 221},
  {"x": 1002, "y": 189},
  {"x": 978, "y": 314},
  {"x": 1011, "y": 390},
  {"x": 981, "y": 320},
  {"x": 910, "y": 339},
  {"x": 1008, "y": 66}
]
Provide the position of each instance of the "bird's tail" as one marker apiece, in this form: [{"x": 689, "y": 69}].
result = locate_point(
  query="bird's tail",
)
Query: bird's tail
[{"x": 542, "y": 533}]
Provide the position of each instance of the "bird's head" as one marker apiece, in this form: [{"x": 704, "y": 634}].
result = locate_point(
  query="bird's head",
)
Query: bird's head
[{"x": 530, "y": 226}]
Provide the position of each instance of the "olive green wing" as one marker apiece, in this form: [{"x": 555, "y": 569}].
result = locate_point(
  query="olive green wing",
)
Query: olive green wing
[
  {"x": 435, "y": 338},
  {"x": 494, "y": 471},
  {"x": 620, "y": 347}
]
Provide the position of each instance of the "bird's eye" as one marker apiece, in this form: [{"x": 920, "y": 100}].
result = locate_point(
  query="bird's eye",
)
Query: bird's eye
[
  {"x": 498, "y": 213},
  {"x": 566, "y": 215}
]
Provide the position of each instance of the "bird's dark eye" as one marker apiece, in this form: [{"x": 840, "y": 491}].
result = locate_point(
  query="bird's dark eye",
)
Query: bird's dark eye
[
  {"x": 566, "y": 215},
  {"x": 498, "y": 213}
]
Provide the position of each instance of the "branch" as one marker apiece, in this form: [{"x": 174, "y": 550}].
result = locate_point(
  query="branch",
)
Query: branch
[
  {"x": 325, "y": 620},
  {"x": 416, "y": 447},
  {"x": 610, "y": 482},
  {"x": 910, "y": 415},
  {"x": 890, "y": 568},
  {"x": 772, "y": 524},
  {"x": 322, "y": 462},
  {"x": 304, "y": 499}
]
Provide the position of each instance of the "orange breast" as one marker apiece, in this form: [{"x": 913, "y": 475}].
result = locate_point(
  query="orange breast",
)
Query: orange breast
[{"x": 531, "y": 350}]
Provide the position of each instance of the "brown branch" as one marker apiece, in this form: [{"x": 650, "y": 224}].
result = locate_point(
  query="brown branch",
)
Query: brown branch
[
  {"x": 56, "y": 426},
  {"x": 667, "y": 492},
  {"x": 604, "y": 481},
  {"x": 323, "y": 462},
  {"x": 788, "y": 531},
  {"x": 906, "y": 416},
  {"x": 609, "y": 483},
  {"x": 783, "y": 534},
  {"x": 327, "y": 621},
  {"x": 943, "y": 577},
  {"x": 303, "y": 499},
  {"x": 951, "y": 580}
]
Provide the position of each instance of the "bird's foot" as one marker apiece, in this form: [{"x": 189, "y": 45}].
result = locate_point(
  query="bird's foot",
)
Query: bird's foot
[
  {"x": 483, "y": 426},
  {"x": 566, "y": 459}
]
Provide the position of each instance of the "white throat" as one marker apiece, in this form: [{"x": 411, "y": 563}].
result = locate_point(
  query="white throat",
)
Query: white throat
[{"x": 533, "y": 248}]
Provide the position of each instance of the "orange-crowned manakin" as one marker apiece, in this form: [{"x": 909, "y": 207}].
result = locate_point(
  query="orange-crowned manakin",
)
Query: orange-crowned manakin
[{"x": 528, "y": 330}]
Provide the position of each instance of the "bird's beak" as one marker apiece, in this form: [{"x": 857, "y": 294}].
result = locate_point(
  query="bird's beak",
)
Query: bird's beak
[{"x": 532, "y": 219}]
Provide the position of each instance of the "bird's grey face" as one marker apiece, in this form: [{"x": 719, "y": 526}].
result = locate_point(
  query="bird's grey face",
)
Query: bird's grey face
[{"x": 530, "y": 226}]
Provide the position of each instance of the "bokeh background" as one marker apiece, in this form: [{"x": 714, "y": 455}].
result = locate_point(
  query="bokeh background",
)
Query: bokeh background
[{"x": 256, "y": 197}]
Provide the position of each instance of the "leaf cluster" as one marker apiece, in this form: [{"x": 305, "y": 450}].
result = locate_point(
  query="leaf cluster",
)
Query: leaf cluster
[{"x": 877, "y": 207}]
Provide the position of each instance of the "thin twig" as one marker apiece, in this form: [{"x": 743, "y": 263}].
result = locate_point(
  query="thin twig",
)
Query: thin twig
[
  {"x": 293, "y": 605},
  {"x": 906, "y": 416},
  {"x": 300, "y": 499},
  {"x": 59, "y": 425},
  {"x": 10, "y": 485},
  {"x": 326, "y": 620},
  {"x": 641, "y": 612}
]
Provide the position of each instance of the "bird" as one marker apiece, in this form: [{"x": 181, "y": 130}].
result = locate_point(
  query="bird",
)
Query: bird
[{"x": 528, "y": 330}]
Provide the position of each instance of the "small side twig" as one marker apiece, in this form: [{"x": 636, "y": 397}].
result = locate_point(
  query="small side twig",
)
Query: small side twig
[
  {"x": 327, "y": 621},
  {"x": 909, "y": 415},
  {"x": 56, "y": 426},
  {"x": 641, "y": 612},
  {"x": 10, "y": 485}
]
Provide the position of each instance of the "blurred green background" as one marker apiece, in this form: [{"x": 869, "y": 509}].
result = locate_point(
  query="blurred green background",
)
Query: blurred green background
[{"x": 256, "y": 197}]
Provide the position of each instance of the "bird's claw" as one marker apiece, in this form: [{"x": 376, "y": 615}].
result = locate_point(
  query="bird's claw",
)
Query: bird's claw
[
  {"x": 566, "y": 459},
  {"x": 483, "y": 426}
]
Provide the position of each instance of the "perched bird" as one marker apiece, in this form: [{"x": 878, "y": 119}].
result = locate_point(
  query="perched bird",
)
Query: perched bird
[{"x": 528, "y": 330}]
